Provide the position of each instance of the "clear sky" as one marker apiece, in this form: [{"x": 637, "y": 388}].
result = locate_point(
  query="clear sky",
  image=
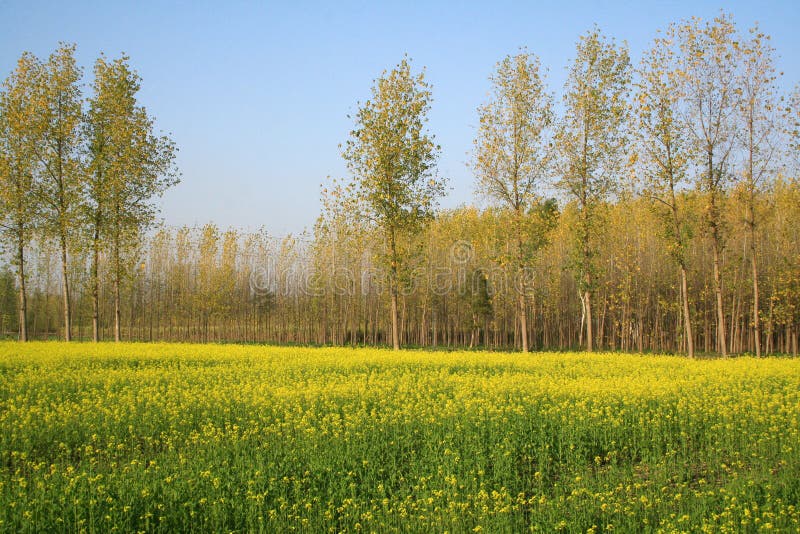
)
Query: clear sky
[{"x": 256, "y": 94}]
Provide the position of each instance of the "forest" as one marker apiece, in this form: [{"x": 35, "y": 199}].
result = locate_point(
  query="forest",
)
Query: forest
[{"x": 646, "y": 207}]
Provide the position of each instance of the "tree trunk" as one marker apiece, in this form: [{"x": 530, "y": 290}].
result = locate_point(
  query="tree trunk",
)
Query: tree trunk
[
  {"x": 687, "y": 318},
  {"x": 95, "y": 288},
  {"x": 587, "y": 277},
  {"x": 117, "y": 311},
  {"x": 23, "y": 300},
  {"x": 523, "y": 315},
  {"x": 721, "y": 336},
  {"x": 65, "y": 290},
  {"x": 393, "y": 289},
  {"x": 770, "y": 327},
  {"x": 395, "y": 333},
  {"x": 472, "y": 332},
  {"x": 752, "y": 225},
  {"x": 523, "y": 318},
  {"x": 714, "y": 224},
  {"x": 587, "y": 299},
  {"x": 583, "y": 322},
  {"x": 756, "y": 319}
]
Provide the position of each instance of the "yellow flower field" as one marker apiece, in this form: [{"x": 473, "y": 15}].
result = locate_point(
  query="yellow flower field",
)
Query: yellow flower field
[{"x": 169, "y": 437}]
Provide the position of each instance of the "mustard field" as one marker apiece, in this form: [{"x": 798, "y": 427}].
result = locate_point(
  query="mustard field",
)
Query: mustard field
[{"x": 207, "y": 438}]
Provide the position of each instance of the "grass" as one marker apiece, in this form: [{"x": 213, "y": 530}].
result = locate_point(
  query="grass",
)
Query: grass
[{"x": 175, "y": 437}]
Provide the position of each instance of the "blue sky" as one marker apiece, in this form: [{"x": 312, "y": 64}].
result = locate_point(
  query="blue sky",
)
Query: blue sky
[{"x": 256, "y": 94}]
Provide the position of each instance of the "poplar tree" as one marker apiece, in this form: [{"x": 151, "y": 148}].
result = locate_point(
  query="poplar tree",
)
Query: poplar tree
[
  {"x": 392, "y": 159},
  {"x": 103, "y": 128},
  {"x": 665, "y": 154},
  {"x": 19, "y": 103},
  {"x": 758, "y": 138},
  {"x": 592, "y": 142},
  {"x": 58, "y": 187},
  {"x": 707, "y": 68},
  {"x": 513, "y": 157},
  {"x": 128, "y": 166}
]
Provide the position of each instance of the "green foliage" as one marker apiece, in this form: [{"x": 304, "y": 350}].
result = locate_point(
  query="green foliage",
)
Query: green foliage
[
  {"x": 592, "y": 138},
  {"x": 543, "y": 218},
  {"x": 513, "y": 150},
  {"x": 480, "y": 297},
  {"x": 58, "y": 123},
  {"x": 128, "y": 164},
  {"x": 390, "y": 155},
  {"x": 20, "y": 101}
]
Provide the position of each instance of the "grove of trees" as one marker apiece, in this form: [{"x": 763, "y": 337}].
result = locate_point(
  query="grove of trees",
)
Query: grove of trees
[
  {"x": 76, "y": 174},
  {"x": 654, "y": 206}
]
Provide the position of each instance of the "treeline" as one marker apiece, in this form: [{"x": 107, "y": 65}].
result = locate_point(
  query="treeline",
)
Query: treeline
[
  {"x": 659, "y": 211},
  {"x": 206, "y": 284}
]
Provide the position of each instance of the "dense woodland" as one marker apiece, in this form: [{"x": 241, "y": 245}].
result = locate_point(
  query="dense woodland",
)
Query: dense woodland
[{"x": 656, "y": 209}]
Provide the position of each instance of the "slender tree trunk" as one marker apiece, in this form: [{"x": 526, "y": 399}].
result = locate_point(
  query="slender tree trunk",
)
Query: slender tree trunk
[
  {"x": 754, "y": 266},
  {"x": 687, "y": 318},
  {"x": 523, "y": 315},
  {"x": 583, "y": 321},
  {"x": 715, "y": 235},
  {"x": 752, "y": 226},
  {"x": 471, "y": 338},
  {"x": 95, "y": 286},
  {"x": 587, "y": 295},
  {"x": 393, "y": 289},
  {"x": 721, "y": 335},
  {"x": 62, "y": 208},
  {"x": 395, "y": 333},
  {"x": 23, "y": 300},
  {"x": 523, "y": 319},
  {"x": 587, "y": 299},
  {"x": 65, "y": 290},
  {"x": 736, "y": 301},
  {"x": 403, "y": 336},
  {"x": 117, "y": 307},
  {"x": 770, "y": 328}
]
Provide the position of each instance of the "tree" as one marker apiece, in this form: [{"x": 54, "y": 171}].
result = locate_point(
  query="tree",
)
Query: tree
[
  {"x": 757, "y": 109},
  {"x": 592, "y": 141},
  {"x": 392, "y": 159},
  {"x": 708, "y": 76},
  {"x": 104, "y": 125},
  {"x": 513, "y": 156},
  {"x": 128, "y": 165},
  {"x": 58, "y": 184},
  {"x": 19, "y": 102},
  {"x": 665, "y": 154}
]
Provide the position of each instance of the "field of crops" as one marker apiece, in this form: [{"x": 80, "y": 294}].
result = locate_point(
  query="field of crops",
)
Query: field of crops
[{"x": 105, "y": 438}]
